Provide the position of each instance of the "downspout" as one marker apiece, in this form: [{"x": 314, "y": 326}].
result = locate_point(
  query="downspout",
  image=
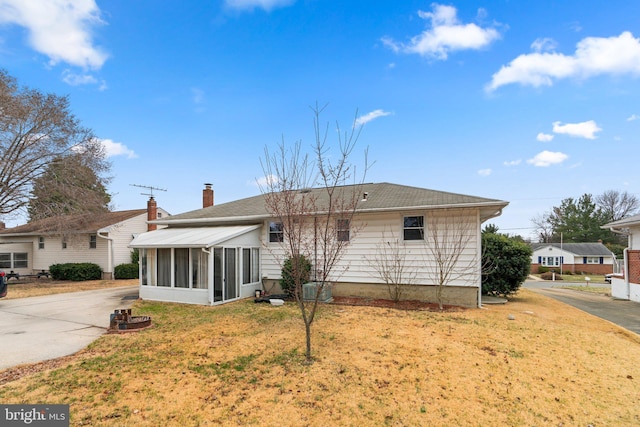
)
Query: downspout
[{"x": 109, "y": 252}]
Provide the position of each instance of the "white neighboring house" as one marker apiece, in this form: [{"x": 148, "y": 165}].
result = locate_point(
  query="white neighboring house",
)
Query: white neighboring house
[
  {"x": 591, "y": 258},
  {"x": 102, "y": 240},
  {"x": 627, "y": 285},
  {"x": 225, "y": 252}
]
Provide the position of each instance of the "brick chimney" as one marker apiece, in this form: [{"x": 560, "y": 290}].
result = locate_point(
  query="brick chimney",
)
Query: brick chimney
[
  {"x": 152, "y": 213},
  {"x": 207, "y": 196}
]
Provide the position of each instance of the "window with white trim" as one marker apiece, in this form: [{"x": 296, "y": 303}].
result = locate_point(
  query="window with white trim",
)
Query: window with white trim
[
  {"x": 276, "y": 232},
  {"x": 40, "y": 242},
  {"x": 593, "y": 260},
  {"x": 413, "y": 227},
  {"x": 342, "y": 230},
  {"x": 551, "y": 261},
  {"x": 12, "y": 260},
  {"x": 93, "y": 241}
]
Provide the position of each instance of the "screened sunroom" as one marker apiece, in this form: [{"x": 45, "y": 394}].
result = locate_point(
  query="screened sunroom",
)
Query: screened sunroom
[{"x": 204, "y": 265}]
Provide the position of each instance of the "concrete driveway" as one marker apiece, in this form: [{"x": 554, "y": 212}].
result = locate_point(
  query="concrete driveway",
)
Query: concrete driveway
[
  {"x": 46, "y": 327},
  {"x": 622, "y": 313}
]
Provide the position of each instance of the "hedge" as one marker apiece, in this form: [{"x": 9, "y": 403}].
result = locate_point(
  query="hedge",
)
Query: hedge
[
  {"x": 127, "y": 271},
  {"x": 76, "y": 271}
]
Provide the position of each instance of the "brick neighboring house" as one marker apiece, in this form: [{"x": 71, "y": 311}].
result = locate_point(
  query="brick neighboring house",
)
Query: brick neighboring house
[
  {"x": 591, "y": 258},
  {"x": 627, "y": 285}
]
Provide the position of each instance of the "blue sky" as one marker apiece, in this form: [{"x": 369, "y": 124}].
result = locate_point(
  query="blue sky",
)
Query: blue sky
[{"x": 529, "y": 102}]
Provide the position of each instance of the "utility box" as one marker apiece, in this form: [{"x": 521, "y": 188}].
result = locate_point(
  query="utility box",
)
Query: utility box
[{"x": 310, "y": 289}]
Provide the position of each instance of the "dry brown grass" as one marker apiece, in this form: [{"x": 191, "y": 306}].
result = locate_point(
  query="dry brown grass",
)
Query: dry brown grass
[
  {"x": 37, "y": 287},
  {"x": 243, "y": 363}
]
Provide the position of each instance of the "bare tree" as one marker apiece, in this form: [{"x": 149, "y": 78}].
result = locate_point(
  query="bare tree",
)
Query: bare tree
[
  {"x": 389, "y": 264},
  {"x": 616, "y": 205},
  {"x": 543, "y": 227},
  {"x": 450, "y": 256},
  {"x": 314, "y": 209},
  {"x": 37, "y": 129}
]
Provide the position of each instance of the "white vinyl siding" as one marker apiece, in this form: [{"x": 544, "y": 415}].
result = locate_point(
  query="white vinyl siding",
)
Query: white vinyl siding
[{"x": 353, "y": 266}]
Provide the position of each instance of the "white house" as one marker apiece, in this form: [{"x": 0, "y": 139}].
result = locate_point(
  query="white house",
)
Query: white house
[
  {"x": 627, "y": 286},
  {"x": 591, "y": 258},
  {"x": 102, "y": 239},
  {"x": 225, "y": 252}
]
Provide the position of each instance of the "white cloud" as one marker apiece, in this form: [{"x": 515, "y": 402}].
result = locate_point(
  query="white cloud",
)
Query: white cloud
[
  {"x": 513, "y": 163},
  {"x": 586, "y": 129},
  {"x": 59, "y": 29},
  {"x": 633, "y": 117},
  {"x": 117, "y": 149},
  {"x": 267, "y": 5},
  {"x": 547, "y": 158},
  {"x": 484, "y": 172},
  {"x": 593, "y": 56},
  {"x": 366, "y": 118},
  {"x": 446, "y": 34},
  {"x": 266, "y": 181},
  {"x": 544, "y": 45},
  {"x": 73, "y": 79},
  {"x": 544, "y": 137}
]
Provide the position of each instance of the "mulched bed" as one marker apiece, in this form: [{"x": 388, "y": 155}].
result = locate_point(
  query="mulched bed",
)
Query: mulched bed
[{"x": 413, "y": 305}]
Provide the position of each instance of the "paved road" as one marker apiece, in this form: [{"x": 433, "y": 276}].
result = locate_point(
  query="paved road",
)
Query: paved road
[
  {"x": 622, "y": 313},
  {"x": 45, "y": 327}
]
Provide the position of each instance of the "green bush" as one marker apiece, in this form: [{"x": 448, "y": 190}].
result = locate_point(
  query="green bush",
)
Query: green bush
[
  {"x": 126, "y": 271},
  {"x": 506, "y": 264},
  {"x": 135, "y": 256},
  {"x": 293, "y": 272},
  {"x": 76, "y": 271},
  {"x": 542, "y": 269}
]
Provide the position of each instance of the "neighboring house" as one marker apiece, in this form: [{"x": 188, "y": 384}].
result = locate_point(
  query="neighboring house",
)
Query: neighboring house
[
  {"x": 590, "y": 258},
  {"x": 627, "y": 285},
  {"x": 102, "y": 240},
  {"x": 225, "y": 252}
]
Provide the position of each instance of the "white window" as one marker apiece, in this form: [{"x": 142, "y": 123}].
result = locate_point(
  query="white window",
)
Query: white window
[
  {"x": 40, "y": 242},
  {"x": 14, "y": 260},
  {"x": 414, "y": 227},
  {"x": 250, "y": 273},
  {"x": 5, "y": 260},
  {"x": 93, "y": 241},
  {"x": 593, "y": 260},
  {"x": 551, "y": 261},
  {"x": 20, "y": 260},
  {"x": 276, "y": 233},
  {"x": 342, "y": 230}
]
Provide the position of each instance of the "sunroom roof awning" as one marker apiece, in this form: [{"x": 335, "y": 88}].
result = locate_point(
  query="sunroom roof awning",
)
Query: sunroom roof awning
[{"x": 195, "y": 237}]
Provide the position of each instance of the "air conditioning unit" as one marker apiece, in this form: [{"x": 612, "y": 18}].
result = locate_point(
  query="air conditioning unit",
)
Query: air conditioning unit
[{"x": 310, "y": 290}]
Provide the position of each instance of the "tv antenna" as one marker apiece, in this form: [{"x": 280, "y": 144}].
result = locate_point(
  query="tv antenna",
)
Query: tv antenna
[{"x": 148, "y": 187}]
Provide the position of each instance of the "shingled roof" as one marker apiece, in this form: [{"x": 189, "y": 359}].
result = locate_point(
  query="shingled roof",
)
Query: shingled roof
[
  {"x": 86, "y": 223},
  {"x": 582, "y": 249},
  {"x": 379, "y": 197}
]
